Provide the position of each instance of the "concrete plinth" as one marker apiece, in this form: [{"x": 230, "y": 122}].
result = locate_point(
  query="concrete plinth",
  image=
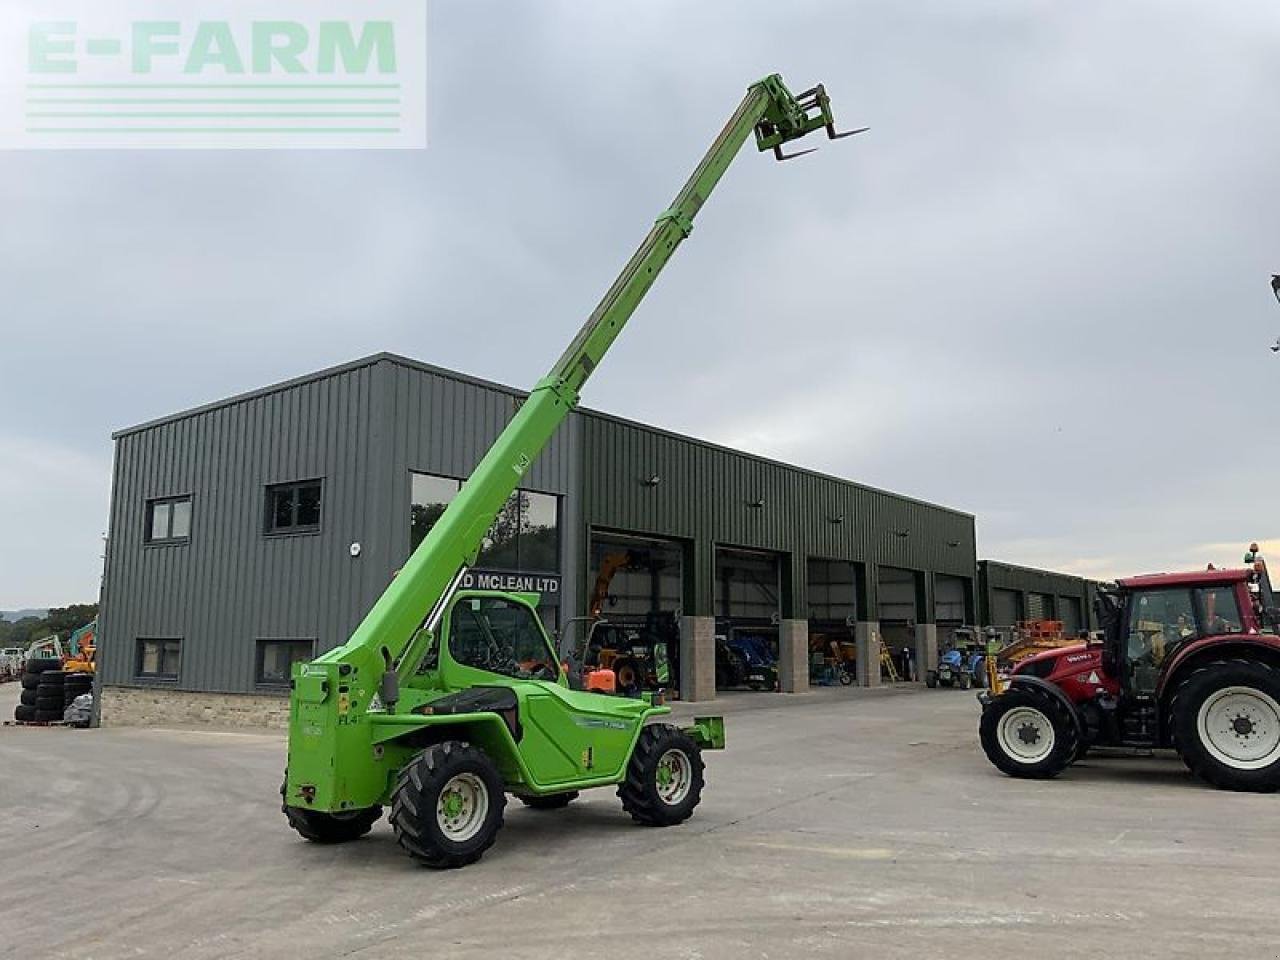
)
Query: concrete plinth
[
  {"x": 697, "y": 658},
  {"x": 867, "y": 642},
  {"x": 926, "y": 648},
  {"x": 793, "y": 656}
]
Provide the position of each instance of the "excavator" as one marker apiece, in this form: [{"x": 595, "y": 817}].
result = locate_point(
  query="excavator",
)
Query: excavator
[{"x": 445, "y": 700}]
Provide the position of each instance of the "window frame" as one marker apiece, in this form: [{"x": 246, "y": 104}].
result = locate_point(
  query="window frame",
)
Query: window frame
[
  {"x": 148, "y": 520},
  {"x": 139, "y": 657},
  {"x": 268, "y": 512},
  {"x": 557, "y": 500},
  {"x": 259, "y": 648},
  {"x": 534, "y": 624}
]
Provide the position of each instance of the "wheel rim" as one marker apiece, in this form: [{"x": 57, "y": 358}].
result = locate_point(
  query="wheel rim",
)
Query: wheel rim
[
  {"x": 674, "y": 776},
  {"x": 1026, "y": 735},
  {"x": 1240, "y": 727},
  {"x": 462, "y": 807}
]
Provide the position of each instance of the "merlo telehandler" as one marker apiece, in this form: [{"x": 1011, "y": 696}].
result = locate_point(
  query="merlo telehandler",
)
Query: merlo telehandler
[{"x": 444, "y": 700}]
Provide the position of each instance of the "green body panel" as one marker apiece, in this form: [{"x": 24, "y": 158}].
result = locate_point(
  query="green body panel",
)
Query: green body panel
[{"x": 360, "y": 711}]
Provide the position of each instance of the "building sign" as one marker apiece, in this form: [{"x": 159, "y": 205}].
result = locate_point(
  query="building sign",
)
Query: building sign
[{"x": 547, "y": 584}]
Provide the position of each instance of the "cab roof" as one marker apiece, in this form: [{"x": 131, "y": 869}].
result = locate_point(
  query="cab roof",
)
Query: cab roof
[{"x": 1191, "y": 579}]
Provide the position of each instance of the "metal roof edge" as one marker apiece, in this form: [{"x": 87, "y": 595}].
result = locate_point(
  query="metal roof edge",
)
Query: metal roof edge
[{"x": 418, "y": 365}]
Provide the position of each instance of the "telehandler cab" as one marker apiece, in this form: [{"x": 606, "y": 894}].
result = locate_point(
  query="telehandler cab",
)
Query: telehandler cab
[
  {"x": 1189, "y": 661},
  {"x": 444, "y": 700}
]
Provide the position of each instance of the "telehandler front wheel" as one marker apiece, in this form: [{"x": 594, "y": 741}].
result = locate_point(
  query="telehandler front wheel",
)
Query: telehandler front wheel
[
  {"x": 447, "y": 806},
  {"x": 664, "y": 777},
  {"x": 320, "y": 827}
]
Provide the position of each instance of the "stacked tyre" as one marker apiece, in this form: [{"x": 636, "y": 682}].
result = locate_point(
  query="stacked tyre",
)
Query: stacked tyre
[
  {"x": 29, "y": 709},
  {"x": 49, "y": 696}
]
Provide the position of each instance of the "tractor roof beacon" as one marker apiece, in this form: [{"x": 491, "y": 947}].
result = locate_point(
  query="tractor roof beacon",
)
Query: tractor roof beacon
[
  {"x": 444, "y": 700},
  {"x": 1187, "y": 661}
]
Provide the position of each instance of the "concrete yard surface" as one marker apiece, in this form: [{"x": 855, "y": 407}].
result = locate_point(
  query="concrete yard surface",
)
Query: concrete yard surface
[{"x": 837, "y": 824}]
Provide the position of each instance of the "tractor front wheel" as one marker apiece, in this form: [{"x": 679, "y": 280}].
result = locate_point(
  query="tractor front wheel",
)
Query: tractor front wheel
[
  {"x": 320, "y": 827},
  {"x": 664, "y": 777},
  {"x": 447, "y": 806},
  {"x": 1027, "y": 733},
  {"x": 1226, "y": 725}
]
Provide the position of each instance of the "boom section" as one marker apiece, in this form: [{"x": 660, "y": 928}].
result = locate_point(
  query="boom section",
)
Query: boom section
[{"x": 398, "y": 628}]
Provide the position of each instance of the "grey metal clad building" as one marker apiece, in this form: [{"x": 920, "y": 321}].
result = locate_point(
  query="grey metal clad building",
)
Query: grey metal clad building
[
  {"x": 258, "y": 530},
  {"x": 1011, "y": 593}
]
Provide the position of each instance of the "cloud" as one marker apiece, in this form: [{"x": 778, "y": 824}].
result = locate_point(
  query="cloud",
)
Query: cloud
[
  {"x": 1036, "y": 290},
  {"x": 53, "y": 508}
]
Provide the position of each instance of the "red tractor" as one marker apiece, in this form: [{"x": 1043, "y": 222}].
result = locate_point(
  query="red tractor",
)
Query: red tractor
[{"x": 1188, "y": 661}]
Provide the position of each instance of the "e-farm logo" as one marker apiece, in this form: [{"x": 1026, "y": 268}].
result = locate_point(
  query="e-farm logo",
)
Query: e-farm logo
[{"x": 264, "y": 74}]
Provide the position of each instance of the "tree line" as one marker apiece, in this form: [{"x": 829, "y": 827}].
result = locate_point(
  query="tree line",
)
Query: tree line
[{"x": 60, "y": 620}]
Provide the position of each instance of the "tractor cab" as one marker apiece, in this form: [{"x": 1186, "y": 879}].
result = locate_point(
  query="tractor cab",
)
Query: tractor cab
[{"x": 1151, "y": 621}]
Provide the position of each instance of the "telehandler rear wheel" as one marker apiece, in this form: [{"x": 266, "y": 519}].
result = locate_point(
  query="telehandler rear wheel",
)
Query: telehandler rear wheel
[
  {"x": 447, "y": 805},
  {"x": 320, "y": 827},
  {"x": 664, "y": 777}
]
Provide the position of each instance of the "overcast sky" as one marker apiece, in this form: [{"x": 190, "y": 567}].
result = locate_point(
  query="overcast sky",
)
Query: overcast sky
[{"x": 1035, "y": 291}]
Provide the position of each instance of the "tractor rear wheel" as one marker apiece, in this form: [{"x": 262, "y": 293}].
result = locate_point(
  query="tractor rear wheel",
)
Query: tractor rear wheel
[
  {"x": 554, "y": 801},
  {"x": 447, "y": 805},
  {"x": 1226, "y": 725},
  {"x": 1027, "y": 733},
  {"x": 664, "y": 777},
  {"x": 321, "y": 827}
]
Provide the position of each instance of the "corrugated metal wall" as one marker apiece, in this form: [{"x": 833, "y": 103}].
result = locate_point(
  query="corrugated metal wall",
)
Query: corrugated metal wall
[
  {"x": 361, "y": 428},
  {"x": 713, "y": 496},
  {"x": 1003, "y": 585},
  {"x": 231, "y": 584}
]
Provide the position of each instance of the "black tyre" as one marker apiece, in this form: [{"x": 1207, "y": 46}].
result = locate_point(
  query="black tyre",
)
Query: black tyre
[
  {"x": 24, "y": 713},
  {"x": 320, "y": 827},
  {"x": 1226, "y": 725},
  {"x": 27, "y": 698},
  {"x": 42, "y": 664},
  {"x": 931, "y": 679},
  {"x": 1028, "y": 733},
  {"x": 664, "y": 777},
  {"x": 966, "y": 680},
  {"x": 48, "y": 716},
  {"x": 447, "y": 806},
  {"x": 555, "y": 801},
  {"x": 48, "y": 703},
  {"x": 30, "y": 681},
  {"x": 627, "y": 673}
]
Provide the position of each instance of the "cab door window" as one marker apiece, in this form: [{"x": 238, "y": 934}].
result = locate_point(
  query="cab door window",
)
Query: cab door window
[
  {"x": 500, "y": 636},
  {"x": 1159, "y": 622},
  {"x": 1219, "y": 611}
]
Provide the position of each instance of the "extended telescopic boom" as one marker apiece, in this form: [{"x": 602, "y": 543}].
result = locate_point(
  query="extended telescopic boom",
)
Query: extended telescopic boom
[{"x": 397, "y": 629}]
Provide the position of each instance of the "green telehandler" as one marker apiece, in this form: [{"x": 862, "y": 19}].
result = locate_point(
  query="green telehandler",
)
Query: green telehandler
[{"x": 444, "y": 700}]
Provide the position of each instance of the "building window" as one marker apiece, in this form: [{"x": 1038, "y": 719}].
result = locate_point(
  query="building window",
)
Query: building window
[
  {"x": 294, "y": 507},
  {"x": 158, "y": 659},
  {"x": 277, "y": 657},
  {"x": 168, "y": 520},
  {"x": 525, "y": 537}
]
